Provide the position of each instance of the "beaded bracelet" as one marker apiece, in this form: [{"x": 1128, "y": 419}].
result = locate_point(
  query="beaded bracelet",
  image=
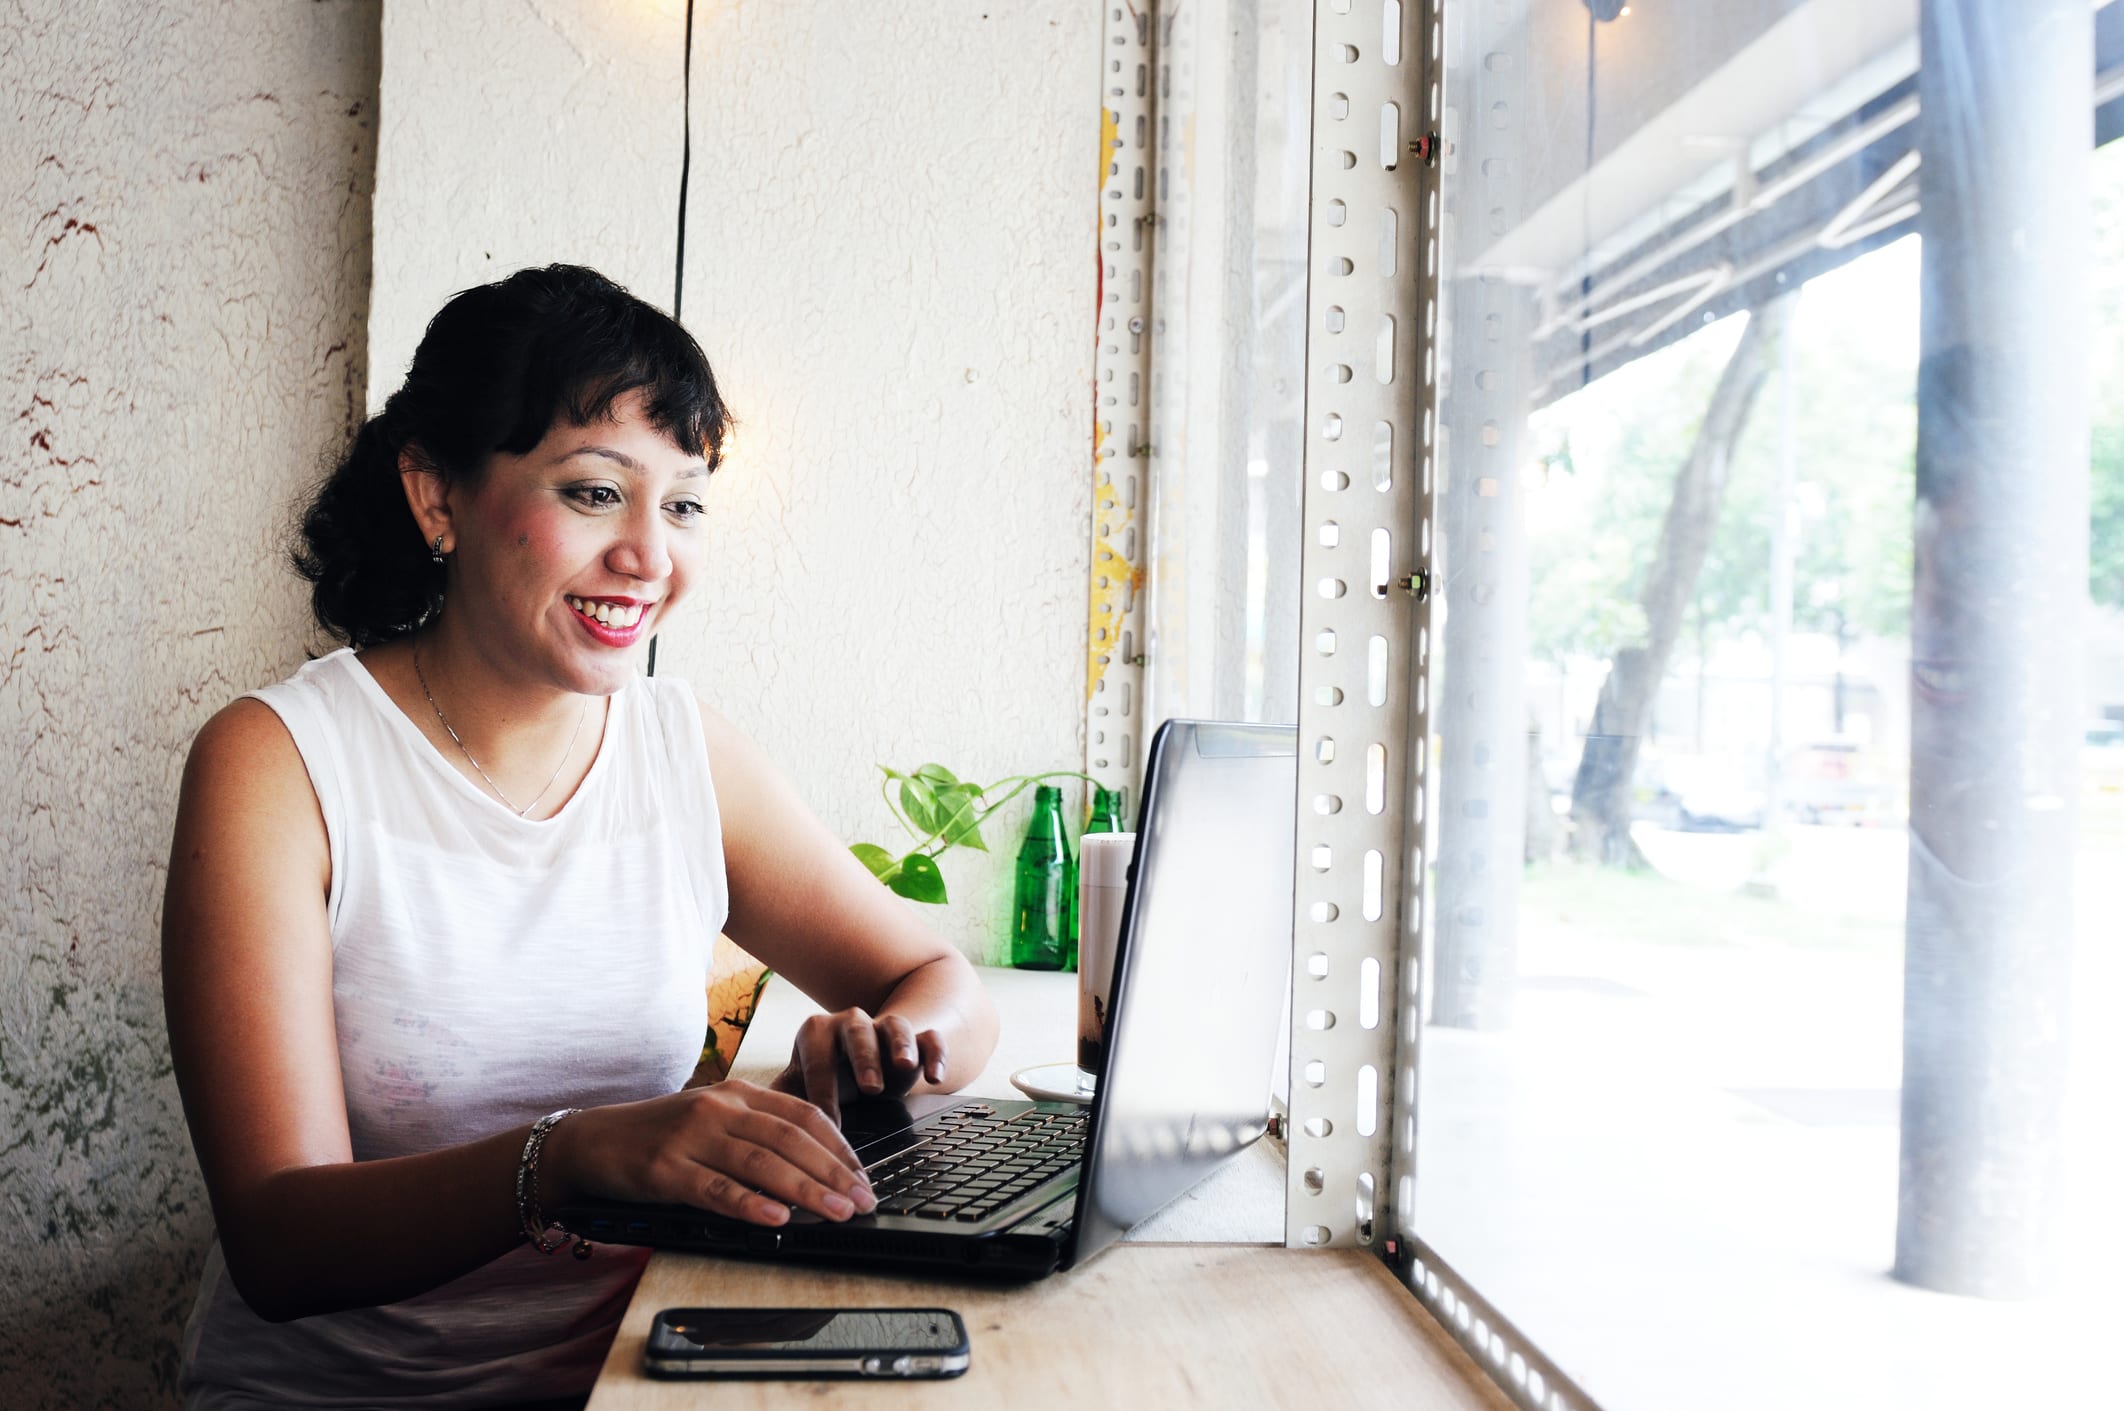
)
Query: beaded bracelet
[{"x": 528, "y": 1215}]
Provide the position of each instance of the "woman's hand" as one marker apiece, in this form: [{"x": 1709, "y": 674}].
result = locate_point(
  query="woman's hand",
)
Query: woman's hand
[
  {"x": 838, "y": 1057},
  {"x": 735, "y": 1148},
  {"x": 901, "y": 1001}
]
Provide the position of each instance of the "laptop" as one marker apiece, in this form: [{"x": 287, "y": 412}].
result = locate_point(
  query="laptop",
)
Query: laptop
[{"x": 1014, "y": 1189}]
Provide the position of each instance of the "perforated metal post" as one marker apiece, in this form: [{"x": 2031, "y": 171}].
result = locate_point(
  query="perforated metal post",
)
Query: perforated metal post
[
  {"x": 1113, "y": 677},
  {"x": 1365, "y": 627}
]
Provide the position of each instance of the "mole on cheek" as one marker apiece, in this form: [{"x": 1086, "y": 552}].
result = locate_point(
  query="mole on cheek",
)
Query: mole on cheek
[{"x": 523, "y": 541}]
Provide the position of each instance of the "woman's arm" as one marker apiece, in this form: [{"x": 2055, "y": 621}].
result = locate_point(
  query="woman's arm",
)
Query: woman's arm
[
  {"x": 904, "y": 1007},
  {"x": 247, "y": 987}
]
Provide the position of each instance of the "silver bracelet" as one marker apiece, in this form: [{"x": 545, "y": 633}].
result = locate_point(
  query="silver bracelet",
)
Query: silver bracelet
[{"x": 528, "y": 1215}]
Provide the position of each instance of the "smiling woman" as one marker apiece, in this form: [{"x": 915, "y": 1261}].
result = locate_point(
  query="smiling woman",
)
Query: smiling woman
[
  {"x": 586, "y": 540},
  {"x": 501, "y": 366},
  {"x": 471, "y": 869}
]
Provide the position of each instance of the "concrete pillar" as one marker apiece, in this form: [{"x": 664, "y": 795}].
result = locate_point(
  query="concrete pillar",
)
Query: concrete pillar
[
  {"x": 1480, "y": 713},
  {"x": 1481, "y": 710},
  {"x": 2001, "y": 580}
]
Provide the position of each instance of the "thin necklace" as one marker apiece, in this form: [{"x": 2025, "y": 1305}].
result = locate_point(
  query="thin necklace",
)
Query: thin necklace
[{"x": 458, "y": 740}]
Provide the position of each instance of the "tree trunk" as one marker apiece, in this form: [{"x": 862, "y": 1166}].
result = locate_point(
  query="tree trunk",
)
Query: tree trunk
[{"x": 1601, "y": 794}]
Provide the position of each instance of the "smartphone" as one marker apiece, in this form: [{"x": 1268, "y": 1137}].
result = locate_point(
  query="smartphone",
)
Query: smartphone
[{"x": 807, "y": 1342}]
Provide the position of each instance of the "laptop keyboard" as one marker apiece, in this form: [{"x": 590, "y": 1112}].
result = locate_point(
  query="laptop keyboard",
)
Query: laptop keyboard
[{"x": 969, "y": 1162}]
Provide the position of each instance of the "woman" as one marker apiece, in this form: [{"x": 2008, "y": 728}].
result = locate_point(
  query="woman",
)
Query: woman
[{"x": 441, "y": 906}]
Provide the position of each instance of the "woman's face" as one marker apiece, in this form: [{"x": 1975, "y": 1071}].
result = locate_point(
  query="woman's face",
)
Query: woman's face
[{"x": 569, "y": 557}]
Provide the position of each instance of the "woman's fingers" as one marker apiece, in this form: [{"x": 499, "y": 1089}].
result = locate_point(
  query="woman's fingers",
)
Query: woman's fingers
[
  {"x": 717, "y": 1191},
  {"x": 807, "y": 1119},
  {"x": 770, "y": 1151},
  {"x": 931, "y": 1046},
  {"x": 896, "y": 1040},
  {"x": 818, "y": 1055},
  {"x": 735, "y": 1147},
  {"x": 850, "y": 1053},
  {"x": 768, "y": 1171},
  {"x": 792, "y": 1164},
  {"x": 858, "y": 1034}
]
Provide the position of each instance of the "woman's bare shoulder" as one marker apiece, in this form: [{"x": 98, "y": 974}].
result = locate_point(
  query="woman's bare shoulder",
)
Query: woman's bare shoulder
[
  {"x": 244, "y": 736},
  {"x": 244, "y": 773}
]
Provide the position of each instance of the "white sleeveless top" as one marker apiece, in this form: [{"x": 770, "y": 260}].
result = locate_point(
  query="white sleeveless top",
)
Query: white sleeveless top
[{"x": 486, "y": 970}]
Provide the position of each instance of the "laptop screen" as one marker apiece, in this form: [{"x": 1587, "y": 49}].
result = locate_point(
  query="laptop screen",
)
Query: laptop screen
[{"x": 1201, "y": 971}]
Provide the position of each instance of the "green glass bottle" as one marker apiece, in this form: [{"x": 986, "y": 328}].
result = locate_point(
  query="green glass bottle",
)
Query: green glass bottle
[
  {"x": 1040, "y": 912},
  {"x": 1109, "y": 813}
]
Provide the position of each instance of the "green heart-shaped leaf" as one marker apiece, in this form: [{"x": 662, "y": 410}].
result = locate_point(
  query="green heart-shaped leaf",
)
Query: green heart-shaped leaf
[
  {"x": 919, "y": 802},
  {"x": 958, "y": 814},
  {"x": 919, "y": 880},
  {"x": 882, "y": 864}
]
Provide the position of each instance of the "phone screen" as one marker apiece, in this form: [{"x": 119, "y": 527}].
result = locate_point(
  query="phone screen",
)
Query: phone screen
[{"x": 680, "y": 1331}]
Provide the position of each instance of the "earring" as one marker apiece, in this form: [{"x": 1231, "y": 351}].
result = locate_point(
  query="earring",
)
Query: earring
[{"x": 435, "y": 549}]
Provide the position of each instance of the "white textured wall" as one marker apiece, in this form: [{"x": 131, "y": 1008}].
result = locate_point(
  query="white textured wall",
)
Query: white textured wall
[
  {"x": 891, "y": 264},
  {"x": 891, "y": 259},
  {"x": 188, "y": 189},
  {"x": 521, "y": 132}
]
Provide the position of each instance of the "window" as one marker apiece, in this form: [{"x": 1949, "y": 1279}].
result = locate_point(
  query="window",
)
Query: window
[{"x": 1779, "y": 814}]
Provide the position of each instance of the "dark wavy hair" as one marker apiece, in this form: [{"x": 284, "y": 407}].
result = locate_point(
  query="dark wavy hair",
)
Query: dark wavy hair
[{"x": 497, "y": 368}]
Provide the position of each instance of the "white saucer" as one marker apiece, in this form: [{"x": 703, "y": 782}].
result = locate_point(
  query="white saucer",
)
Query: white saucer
[{"x": 1055, "y": 1082}]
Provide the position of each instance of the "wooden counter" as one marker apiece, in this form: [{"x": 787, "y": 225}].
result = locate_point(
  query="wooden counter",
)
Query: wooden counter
[
  {"x": 1142, "y": 1325},
  {"x": 1202, "y": 1306}
]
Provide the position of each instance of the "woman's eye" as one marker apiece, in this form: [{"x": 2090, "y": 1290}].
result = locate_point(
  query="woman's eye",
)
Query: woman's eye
[
  {"x": 686, "y": 509},
  {"x": 595, "y": 496}
]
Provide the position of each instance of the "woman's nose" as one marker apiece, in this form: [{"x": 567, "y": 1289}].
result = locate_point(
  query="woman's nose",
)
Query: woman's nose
[{"x": 642, "y": 551}]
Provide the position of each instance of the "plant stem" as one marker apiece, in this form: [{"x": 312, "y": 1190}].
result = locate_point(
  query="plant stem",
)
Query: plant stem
[
  {"x": 1020, "y": 781},
  {"x": 885, "y": 792}
]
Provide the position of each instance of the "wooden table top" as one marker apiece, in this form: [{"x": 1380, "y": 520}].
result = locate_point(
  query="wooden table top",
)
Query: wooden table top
[
  {"x": 1171, "y": 1325},
  {"x": 1160, "y": 1320}
]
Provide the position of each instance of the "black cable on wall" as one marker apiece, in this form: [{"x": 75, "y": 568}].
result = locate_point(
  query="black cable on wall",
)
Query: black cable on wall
[
  {"x": 678, "y": 276},
  {"x": 678, "y": 273}
]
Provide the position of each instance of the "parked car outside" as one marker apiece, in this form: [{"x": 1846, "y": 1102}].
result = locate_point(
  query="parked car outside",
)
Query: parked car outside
[
  {"x": 1708, "y": 793},
  {"x": 1837, "y": 781}
]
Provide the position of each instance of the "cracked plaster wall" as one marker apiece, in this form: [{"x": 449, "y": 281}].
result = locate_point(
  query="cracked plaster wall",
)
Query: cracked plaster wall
[
  {"x": 891, "y": 262},
  {"x": 181, "y": 340}
]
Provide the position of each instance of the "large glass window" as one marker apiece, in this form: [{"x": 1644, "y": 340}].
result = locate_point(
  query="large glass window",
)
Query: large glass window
[
  {"x": 1228, "y": 360},
  {"x": 1778, "y": 833}
]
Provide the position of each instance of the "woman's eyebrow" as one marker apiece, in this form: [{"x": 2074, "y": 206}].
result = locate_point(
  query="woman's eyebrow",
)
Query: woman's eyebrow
[{"x": 621, "y": 457}]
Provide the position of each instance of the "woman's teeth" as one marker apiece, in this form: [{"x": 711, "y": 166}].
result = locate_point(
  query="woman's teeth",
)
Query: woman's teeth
[{"x": 609, "y": 614}]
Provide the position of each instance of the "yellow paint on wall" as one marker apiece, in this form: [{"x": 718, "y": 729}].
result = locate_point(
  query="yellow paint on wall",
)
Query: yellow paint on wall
[
  {"x": 1112, "y": 577},
  {"x": 1109, "y": 141},
  {"x": 1110, "y": 572}
]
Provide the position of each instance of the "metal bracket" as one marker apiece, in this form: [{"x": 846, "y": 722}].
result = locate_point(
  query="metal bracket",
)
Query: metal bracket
[
  {"x": 1120, "y": 468},
  {"x": 1363, "y": 724}
]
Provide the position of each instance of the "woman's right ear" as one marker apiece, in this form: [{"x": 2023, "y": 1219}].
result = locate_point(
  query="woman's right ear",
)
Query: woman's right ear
[{"x": 428, "y": 496}]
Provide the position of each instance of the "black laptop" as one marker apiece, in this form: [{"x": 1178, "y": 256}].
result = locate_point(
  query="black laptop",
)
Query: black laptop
[{"x": 1013, "y": 1189}]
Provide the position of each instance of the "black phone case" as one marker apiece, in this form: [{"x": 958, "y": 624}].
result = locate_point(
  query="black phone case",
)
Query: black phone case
[{"x": 832, "y": 1367}]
